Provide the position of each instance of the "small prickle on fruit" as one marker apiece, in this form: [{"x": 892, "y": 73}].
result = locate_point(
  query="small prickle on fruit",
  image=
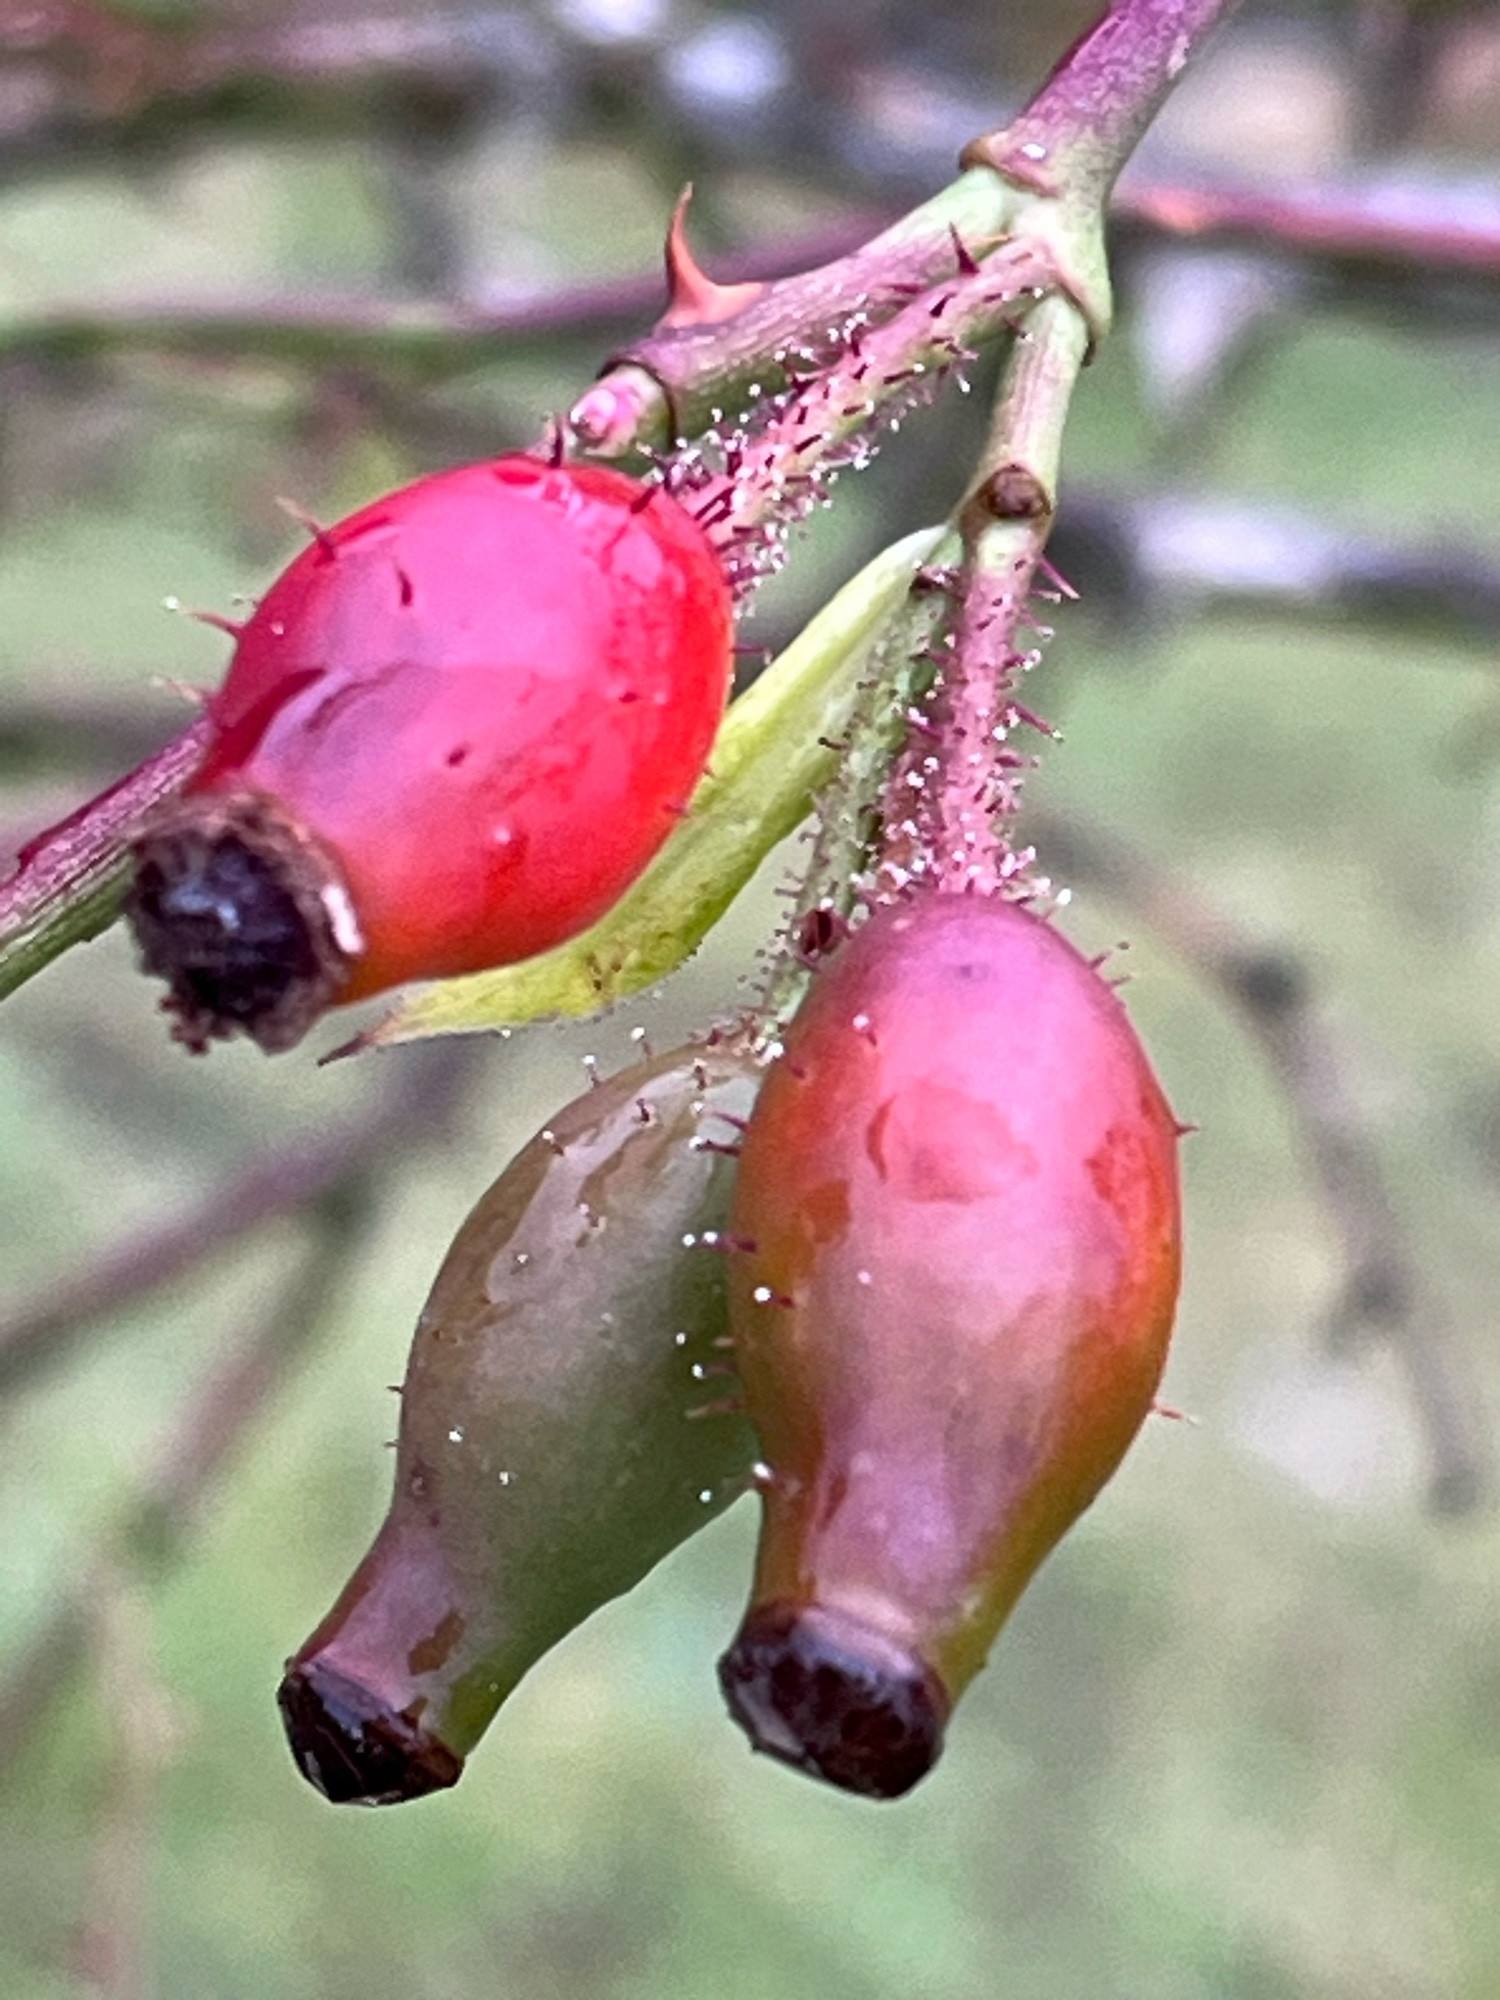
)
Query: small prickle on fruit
[
  {"x": 561, "y": 1427},
  {"x": 455, "y": 729},
  {"x": 959, "y": 1200}
]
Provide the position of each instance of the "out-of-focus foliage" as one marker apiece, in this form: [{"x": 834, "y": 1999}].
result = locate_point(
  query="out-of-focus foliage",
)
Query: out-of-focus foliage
[{"x": 1242, "y": 1739}]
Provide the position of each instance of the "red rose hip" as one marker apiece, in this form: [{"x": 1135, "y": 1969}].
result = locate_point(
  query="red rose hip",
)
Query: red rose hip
[
  {"x": 958, "y": 1211},
  {"x": 455, "y": 729}
]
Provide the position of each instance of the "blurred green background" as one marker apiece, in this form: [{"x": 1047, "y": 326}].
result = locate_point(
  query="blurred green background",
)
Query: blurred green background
[{"x": 1242, "y": 1739}]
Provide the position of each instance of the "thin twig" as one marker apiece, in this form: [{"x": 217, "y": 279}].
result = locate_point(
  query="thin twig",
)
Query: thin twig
[{"x": 1384, "y": 1290}]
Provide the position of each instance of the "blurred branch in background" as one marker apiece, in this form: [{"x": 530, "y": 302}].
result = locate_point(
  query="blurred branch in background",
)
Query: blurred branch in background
[
  {"x": 1425, "y": 243},
  {"x": 1377, "y": 229},
  {"x": 295, "y": 1175},
  {"x": 112, "y": 1955},
  {"x": 423, "y": 341},
  {"x": 1385, "y": 1293},
  {"x": 1145, "y": 557},
  {"x": 335, "y": 1188}
]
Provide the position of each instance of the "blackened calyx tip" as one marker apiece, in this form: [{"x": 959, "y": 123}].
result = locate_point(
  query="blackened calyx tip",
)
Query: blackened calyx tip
[
  {"x": 236, "y": 910},
  {"x": 355, "y": 1749},
  {"x": 831, "y": 1696}
]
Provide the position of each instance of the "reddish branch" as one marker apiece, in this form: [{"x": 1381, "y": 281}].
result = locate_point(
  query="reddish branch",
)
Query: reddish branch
[
  {"x": 1086, "y": 121},
  {"x": 1339, "y": 227},
  {"x": 68, "y": 881}
]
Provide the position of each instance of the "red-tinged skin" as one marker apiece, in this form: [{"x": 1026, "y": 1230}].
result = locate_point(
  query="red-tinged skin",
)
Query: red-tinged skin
[
  {"x": 959, "y": 1201},
  {"x": 487, "y": 698}
]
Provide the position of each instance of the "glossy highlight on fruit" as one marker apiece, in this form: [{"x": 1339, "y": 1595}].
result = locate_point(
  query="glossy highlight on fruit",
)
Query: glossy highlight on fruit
[
  {"x": 454, "y": 730},
  {"x": 562, "y": 1427},
  {"x": 958, "y": 1201}
]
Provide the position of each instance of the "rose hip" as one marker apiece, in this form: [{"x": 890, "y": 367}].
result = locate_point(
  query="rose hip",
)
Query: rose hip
[
  {"x": 958, "y": 1206},
  {"x": 561, "y": 1428},
  {"x": 454, "y": 730}
]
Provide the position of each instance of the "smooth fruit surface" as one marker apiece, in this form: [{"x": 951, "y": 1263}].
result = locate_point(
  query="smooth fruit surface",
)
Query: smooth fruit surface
[
  {"x": 487, "y": 697},
  {"x": 561, "y": 1428},
  {"x": 959, "y": 1200}
]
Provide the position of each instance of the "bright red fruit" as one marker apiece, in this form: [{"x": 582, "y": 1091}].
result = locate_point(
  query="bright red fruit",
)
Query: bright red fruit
[
  {"x": 958, "y": 1206},
  {"x": 454, "y": 731}
]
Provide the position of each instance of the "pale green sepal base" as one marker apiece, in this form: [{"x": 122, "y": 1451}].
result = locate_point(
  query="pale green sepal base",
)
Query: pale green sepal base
[{"x": 770, "y": 761}]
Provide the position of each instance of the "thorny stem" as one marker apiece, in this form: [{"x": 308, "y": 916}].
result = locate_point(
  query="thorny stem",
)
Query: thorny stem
[
  {"x": 1044, "y": 179},
  {"x": 848, "y": 820},
  {"x": 771, "y": 479},
  {"x": 958, "y": 774},
  {"x": 669, "y": 384}
]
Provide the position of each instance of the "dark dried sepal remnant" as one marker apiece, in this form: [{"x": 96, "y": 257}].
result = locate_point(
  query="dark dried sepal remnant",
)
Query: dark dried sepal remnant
[
  {"x": 832, "y": 1696},
  {"x": 243, "y": 916},
  {"x": 353, "y": 1747}
]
